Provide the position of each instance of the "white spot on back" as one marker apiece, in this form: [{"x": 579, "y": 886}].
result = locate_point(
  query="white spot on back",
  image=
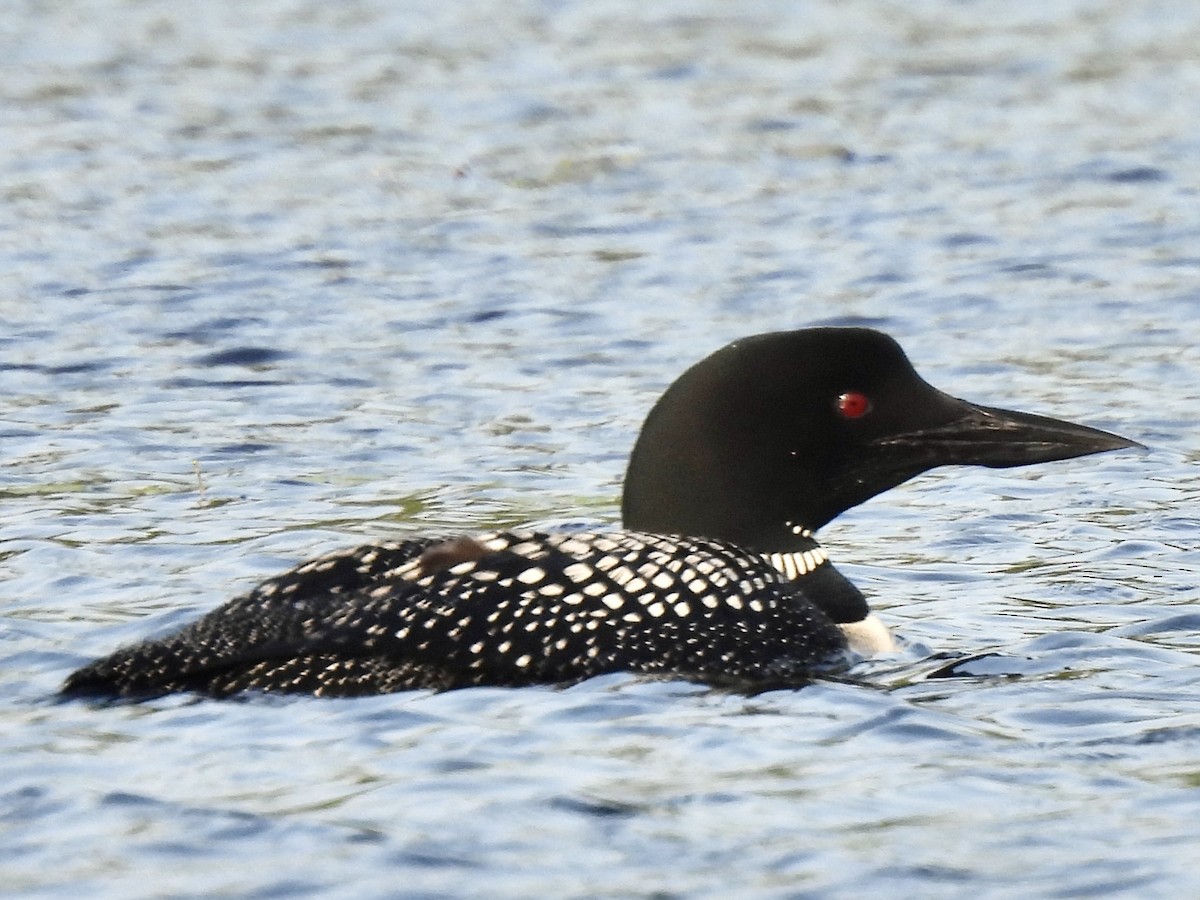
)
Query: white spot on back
[
  {"x": 621, "y": 575},
  {"x": 532, "y": 575},
  {"x": 578, "y": 572}
]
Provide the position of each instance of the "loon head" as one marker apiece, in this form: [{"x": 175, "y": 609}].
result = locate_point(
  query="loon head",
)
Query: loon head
[{"x": 779, "y": 433}]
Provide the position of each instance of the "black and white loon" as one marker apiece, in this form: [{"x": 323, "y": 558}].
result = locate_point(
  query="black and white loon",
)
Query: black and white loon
[{"x": 717, "y": 578}]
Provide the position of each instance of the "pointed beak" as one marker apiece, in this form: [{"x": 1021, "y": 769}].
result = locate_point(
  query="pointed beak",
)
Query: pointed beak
[{"x": 1000, "y": 438}]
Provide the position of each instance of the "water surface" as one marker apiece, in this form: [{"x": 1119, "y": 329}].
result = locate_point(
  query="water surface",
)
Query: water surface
[{"x": 281, "y": 277}]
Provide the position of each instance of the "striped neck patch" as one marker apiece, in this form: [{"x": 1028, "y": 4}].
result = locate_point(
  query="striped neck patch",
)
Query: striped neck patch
[{"x": 800, "y": 563}]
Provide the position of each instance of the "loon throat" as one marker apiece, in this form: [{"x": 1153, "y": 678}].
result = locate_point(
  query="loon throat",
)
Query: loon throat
[{"x": 717, "y": 577}]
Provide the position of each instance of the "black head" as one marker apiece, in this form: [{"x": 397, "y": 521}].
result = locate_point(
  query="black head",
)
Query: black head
[{"x": 781, "y": 432}]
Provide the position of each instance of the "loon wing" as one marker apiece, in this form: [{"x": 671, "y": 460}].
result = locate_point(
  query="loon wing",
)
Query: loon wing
[{"x": 263, "y": 630}]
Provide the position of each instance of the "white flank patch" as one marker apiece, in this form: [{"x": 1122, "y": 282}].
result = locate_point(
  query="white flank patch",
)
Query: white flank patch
[{"x": 869, "y": 636}]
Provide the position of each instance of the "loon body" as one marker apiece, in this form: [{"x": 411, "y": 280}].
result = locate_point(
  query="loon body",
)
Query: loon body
[{"x": 718, "y": 577}]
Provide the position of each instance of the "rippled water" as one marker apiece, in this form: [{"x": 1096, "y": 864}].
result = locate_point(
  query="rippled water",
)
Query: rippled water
[{"x": 283, "y": 276}]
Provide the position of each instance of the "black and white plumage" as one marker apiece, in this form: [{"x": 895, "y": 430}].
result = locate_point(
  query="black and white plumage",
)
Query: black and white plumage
[
  {"x": 742, "y": 458},
  {"x": 506, "y": 608}
]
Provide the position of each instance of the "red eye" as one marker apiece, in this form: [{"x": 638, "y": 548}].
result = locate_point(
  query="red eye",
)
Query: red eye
[{"x": 853, "y": 405}]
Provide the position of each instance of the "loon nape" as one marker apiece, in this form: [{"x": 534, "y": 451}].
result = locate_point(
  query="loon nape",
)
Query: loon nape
[{"x": 717, "y": 576}]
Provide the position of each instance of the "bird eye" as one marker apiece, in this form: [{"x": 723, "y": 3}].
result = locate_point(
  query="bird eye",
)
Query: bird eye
[{"x": 853, "y": 405}]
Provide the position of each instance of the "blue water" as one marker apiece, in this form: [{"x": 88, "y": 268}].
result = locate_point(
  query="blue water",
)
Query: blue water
[{"x": 276, "y": 278}]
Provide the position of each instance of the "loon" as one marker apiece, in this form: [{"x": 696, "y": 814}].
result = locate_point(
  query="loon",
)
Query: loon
[{"x": 716, "y": 578}]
